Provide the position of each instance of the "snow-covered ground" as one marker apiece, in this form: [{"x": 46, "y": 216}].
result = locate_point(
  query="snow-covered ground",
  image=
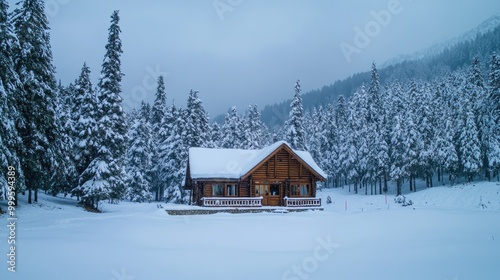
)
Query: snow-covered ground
[{"x": 448, "y": 233}]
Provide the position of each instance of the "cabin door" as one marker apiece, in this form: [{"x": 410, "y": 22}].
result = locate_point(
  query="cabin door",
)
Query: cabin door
[
  {"x": 275, "y": 192},
  {"x": 262, "y": 190}
]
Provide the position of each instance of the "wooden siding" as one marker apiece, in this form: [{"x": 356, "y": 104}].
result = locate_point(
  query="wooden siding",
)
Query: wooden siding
[
  {"x": 282, "y": 165},
  {"x": 207, "y": 190}
]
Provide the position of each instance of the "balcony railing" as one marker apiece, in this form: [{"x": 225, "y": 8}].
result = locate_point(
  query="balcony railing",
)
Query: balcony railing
[
  {"x": 302, "y": 202},
  {"x": 232, "y": 201}
]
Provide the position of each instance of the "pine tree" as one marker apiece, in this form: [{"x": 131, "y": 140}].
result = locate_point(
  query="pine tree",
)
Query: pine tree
[
  {"x": 378, "y": 158},
  {"x": 294, "y": 126},
  {"x": 482, "y": 110},
  {"x": 413, "y": 143},
  {"x": 84, "y": 119},
  {"x": 398, "y": 169},
  {"x": 216, "y": 132},
  {"x": 341, "y": 124},
  {"x": 36, "y": 101},
  {"x": 252, "y": 129},
  {"x": 107, "y": 171},
  {"x": 494, "y": 102},
  {"x": 10, "y": 86},
  {"x": 173, "y": 156},
  {"x": 63, "y": 167},
  {"x": 160, "y": 104},
  {"x": 445, "y": 155},
  {"x": 139, "y": 157},
  {"x": 197, "y": 124},
  {"x": 159, "y": 134},
  {"x": 494, "y": 85},
  {"x": 232, "y": 130},
  {"x": 356, "y": 146},
  {"x": 330, "y": 142},
  {"x": 469, "y": 145}
]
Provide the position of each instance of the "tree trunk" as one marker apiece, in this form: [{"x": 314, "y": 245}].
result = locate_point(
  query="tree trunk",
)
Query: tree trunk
[
  {"x": 398, "y": 186},
  {"x": 414, "y": 184},
  {"x": 29, "y": 195},
  {"x": 385, "y": 184},
  {"x": 380, "y": 184},
  {"x": 15, "y": 198},
  {"x": 36, "y": 194},
  {"x": 411, "y": 182}
]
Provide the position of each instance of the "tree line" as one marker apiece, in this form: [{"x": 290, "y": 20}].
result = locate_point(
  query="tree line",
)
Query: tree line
[{"x": 449, "y": 127}]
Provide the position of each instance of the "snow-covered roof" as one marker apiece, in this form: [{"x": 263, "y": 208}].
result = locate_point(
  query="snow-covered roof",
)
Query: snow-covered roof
[{"x": 206, "y": 163}]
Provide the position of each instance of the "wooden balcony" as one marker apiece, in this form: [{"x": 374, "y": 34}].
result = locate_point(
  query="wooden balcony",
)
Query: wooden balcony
[
  {"x": 302, "y": 202},
  {"x": 232, "y": 201}
]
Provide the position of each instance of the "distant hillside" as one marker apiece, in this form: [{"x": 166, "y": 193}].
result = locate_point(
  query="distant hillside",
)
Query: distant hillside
[
  {"x": 443, "y": 59},
  {"x": 485, "y": 27}
]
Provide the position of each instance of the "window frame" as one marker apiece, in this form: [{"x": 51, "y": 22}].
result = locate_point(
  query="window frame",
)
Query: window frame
[
  {"x": 219, "y": 187},
  {"x": 232, "y": 187}
]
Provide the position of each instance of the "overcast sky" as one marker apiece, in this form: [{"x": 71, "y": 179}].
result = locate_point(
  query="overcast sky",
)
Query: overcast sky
[{"x": 240, "y": 52}]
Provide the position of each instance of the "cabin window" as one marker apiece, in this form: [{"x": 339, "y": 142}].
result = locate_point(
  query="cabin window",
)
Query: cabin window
[
  {"x": 300, "y": 190},
  {"x": 275, "y": 190},
  {"x": 304, "y": 190},
  {"x": 231, "y": 190},
  {"x": 217, "y": 190},
  {"x": 261, "y": 190}
]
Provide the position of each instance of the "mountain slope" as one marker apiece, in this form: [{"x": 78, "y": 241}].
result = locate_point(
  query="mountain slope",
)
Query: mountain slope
[{"x": 436, "y": 61}]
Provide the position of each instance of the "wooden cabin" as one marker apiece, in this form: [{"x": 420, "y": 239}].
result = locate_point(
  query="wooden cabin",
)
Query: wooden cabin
[{"x": 276, "y": 175}]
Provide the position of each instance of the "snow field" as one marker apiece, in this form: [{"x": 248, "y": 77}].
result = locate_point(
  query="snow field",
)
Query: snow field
[{"x": 446, "y": 234}]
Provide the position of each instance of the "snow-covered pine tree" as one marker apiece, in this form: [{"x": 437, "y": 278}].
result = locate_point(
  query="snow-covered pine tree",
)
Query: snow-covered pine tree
[
  {"x": 252, "y": 132},
  {"x": 139, "y": 157},
  {"x": 197, "y": 123},
  {"x": 36, "y": 101},
  {"x": 477, "y": 94},
  {"x": 494, "y": 85},
  {"x": 84, "y": 119},
  {"x": 426, "y": 127},
  {"x": 394, "y": 100},
  {"x": 107, "y": 170},
  {"x": 294, "y": 126},
  {"x": 232, "y": 130},
  {"x": 159, "y": 105},
  {"x": 317, "y": 136},
  {"x": 159, "y": 134},
  {"x": 330, "y": 143},
  {"x": 64, "y": 176},
  {"x": 469, "y": 144},
  {"x": 341, "y": 124},
  {"x": 445, "y": 156},
  {"x": 398, "y": 169},
  {"x": 10, "y": 86},
  {"x": 173, "y": 156},
  {"x": 378, "y": 158},
  {"x": 356, "y": 147},
  {"x": 216, "y": 132},
  {"x": 494, "y": 100},
  {"x": 413, "y": 142}
]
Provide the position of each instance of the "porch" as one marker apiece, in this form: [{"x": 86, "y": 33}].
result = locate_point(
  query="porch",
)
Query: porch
[{"x": 257, "y": 201}]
